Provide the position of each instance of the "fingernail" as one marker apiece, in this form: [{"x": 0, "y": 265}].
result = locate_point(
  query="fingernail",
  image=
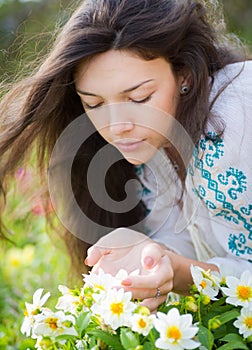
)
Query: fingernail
[
  {"x": 126, "y": 282},
  {"x": 148, "y": 261}
]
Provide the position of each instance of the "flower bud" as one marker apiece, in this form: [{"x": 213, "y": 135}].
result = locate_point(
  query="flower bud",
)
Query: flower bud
[
  {"x": 193, "y": 289},
  {"x": 67, "y": 323},
  {"x": 190, "y": 304},
  {"x": 214, "y": 323},
  {"x": 142, "y": 310},
  {"x": 45, "y": 343},
  {"x": 205, "y": 299}
]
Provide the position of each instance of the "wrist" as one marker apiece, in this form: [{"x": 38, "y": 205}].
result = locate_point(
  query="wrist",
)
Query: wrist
[{"x": 182, "y": 278}]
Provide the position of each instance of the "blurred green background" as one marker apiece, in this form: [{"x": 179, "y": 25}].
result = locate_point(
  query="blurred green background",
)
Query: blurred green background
[
  {"x": 33, "y": 23},
  {"x": 26, "y": 28}
]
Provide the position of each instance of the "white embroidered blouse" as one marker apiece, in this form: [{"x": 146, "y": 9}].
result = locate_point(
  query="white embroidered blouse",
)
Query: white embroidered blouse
[{"x": 215, "y": 224}]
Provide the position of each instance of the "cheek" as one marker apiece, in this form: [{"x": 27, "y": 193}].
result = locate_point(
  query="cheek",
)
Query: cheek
[
  {"x": 167, "y": 101},
  {"x": 100, "y": 121},
  {"x": 105, "y": 134}
]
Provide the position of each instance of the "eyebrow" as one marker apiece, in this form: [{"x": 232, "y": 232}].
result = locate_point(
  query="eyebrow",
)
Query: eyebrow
[{"x": 123, "y": 92}]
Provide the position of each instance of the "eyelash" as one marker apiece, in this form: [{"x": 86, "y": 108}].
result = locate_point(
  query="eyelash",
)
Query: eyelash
[{"x": 146, "y": 99}]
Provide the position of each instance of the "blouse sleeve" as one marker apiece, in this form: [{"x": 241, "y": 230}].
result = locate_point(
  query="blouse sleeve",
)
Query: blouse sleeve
[{"x": 220, "y": 174}]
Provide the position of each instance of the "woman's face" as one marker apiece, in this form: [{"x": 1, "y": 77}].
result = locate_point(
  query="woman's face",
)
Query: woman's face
[{"x": 111, "y": 79}]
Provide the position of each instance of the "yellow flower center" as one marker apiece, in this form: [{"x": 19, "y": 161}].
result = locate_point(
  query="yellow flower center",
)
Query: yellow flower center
[
  {"x": 248, "y": 322},
  {"x": 116, "y": 308},
  {"x": 174, "y": 333},
  {"x": 203, "y": 284},
  {"x": 244, "y": 292},
  {"x": 141, "y": 323},
  {"x": 52, "y": 322}
]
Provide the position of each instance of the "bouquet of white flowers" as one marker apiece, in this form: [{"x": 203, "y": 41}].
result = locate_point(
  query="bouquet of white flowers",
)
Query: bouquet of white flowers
[{"x": 101, "y": 315}]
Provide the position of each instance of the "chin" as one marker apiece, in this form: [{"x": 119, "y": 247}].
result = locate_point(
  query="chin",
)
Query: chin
[
  {"x": 139, "y": 159},
  {"x": 134, "y": 161}
]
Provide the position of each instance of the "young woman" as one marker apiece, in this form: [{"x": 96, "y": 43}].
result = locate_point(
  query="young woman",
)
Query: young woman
[{"x": 149, "y": 90}]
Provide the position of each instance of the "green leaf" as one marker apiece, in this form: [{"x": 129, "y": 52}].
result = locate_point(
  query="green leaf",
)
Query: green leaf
[
  {"x": 109, "y": 339},
  {"x": 148, "y": 346},
  {"x": 26, "y": 344},
  {"x": 234, "y": 341},
  {"x": 128, "y": 338},
  {"x": 82, "y": 322},
  {"x": 205, "y": 337},
  {"x": 234, "y": 345},
  {"x": 65, "y": 337},
  {"x": 228, "y": 316},
  {"x": 232, "y": 337}
]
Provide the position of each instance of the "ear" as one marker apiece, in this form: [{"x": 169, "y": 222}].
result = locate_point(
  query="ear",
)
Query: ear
[{"x": 185, "y": 78}]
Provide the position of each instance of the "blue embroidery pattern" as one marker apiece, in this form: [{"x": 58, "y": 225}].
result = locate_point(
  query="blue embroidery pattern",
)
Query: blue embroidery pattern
[
  {"x": 139, "y": 170},
  {"x": 238, "y": 246},
  {"x": 220, "y": 191}
]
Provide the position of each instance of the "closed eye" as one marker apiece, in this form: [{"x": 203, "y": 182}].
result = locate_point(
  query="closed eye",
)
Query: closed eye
[
  {"x": 87, "y": 106},
  {"x": 146, "y": 99}
]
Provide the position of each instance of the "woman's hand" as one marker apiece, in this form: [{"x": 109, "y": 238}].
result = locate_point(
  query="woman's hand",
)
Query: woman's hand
[{"x": 131, "y": 250}]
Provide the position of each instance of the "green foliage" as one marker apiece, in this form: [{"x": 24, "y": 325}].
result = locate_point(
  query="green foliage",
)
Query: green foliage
[
  {"x": 28, "y": 264},
  {"x": 128, "y": 339},
  {"x": 27, "y": 28},
  {"x": 238, "y": 14}
]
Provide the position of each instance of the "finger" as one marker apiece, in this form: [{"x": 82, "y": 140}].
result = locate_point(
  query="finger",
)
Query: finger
[
  {"x": 154, "y": 279},
  {"x": 141, "y": 294},
  {"x": 151, "y": 255},
  {"x": 153, "y": 303},
  {"x": 94, "y": 254}
]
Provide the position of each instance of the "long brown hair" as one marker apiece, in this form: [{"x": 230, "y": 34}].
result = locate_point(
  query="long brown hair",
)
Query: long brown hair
[{"x": 37, "y": 109}]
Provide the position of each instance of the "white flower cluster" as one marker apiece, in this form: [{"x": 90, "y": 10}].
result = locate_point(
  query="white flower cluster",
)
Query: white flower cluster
[
  {"x": 237, "y": 290},
  {"x": 43, "y": 324},
  {"x": 104, "y": 298}
]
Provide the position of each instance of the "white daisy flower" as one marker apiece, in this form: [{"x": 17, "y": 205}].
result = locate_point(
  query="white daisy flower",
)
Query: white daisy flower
[
  {"x": 239, "y": 291},
  {"x": 70, "y": 301},
  {"x": 244, "y": 322},
  {"x": 176, "y": 331},
  {"x": 226, "y": 270},
  {"x": 115, "y": 307},
  {"x": 104, "y": 281},
  {"x": 100, "y": 282},
  {"x": 32, "y": 310},
  {"x": 142, "y": 324},
  {"x": 52, "y": 324},
  {"x": 205, "y": 282}
]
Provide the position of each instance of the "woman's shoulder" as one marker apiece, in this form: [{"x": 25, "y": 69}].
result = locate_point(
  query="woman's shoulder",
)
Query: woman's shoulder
[
  {"x": 232, "y": 98},
  {"x": 233, "y": 79},
  {"x": 232, "y": 71}
]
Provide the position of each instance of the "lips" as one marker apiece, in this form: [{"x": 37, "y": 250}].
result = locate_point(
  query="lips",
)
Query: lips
[{"x": 128, "y": 145}]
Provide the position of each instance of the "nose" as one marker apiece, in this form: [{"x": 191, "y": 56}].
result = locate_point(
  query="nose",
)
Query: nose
[
  {"x": 119, "y": 121},
  {"x": 118, "y": 128}
]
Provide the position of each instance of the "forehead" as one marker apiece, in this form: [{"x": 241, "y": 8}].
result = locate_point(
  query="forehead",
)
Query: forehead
[{"x": 124, "y": 68}]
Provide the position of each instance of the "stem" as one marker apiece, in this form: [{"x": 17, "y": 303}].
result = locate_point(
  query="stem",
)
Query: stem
[
  {"x": 152, "y": 338},
  {"x": 199, "y": 314}
]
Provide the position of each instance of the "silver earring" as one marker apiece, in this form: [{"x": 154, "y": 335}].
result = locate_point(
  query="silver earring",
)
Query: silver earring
[{"x": 184, "y": 89}]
